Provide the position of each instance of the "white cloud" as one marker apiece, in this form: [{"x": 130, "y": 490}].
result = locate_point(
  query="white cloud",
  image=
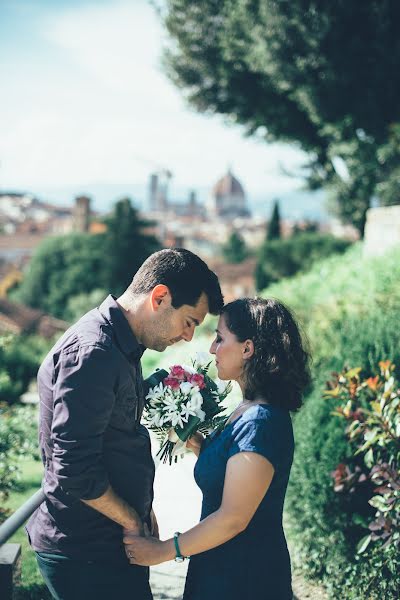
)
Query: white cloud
[{"x": 102, "y": 111}]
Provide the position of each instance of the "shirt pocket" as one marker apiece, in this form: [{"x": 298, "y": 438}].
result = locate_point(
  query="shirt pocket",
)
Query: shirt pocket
[{"x": 125, "y": 411}]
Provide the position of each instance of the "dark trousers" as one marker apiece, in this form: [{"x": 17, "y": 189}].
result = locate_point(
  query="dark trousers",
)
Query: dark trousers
[{"x": 69, "y": 579}]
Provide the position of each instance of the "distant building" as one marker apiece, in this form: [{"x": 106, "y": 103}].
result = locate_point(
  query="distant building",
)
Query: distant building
[
  {"x": 162, "y": 206},
  {"x": 228, "y": 198},
  {"x": 82, "y": 214},
  {"x": 237, "y": 280}
]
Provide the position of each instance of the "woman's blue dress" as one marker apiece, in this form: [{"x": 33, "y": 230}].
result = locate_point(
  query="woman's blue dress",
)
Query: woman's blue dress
[{"x": 254, "y": 565}]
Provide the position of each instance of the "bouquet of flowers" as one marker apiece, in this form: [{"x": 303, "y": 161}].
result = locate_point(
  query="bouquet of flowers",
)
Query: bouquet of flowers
[{"x": 181, "y": 402}]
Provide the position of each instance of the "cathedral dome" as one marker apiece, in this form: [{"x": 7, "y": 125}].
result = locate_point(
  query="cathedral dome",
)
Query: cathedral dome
[{"x": 228, "y": 185}]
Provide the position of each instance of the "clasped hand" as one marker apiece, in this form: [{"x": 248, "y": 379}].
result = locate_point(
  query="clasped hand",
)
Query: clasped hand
[{"x": 145, "y": 551}]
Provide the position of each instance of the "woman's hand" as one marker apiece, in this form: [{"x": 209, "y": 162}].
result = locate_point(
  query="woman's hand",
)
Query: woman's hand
[
  {"x": 147, "y": 551},
  {"x": 195, "y": 442}
]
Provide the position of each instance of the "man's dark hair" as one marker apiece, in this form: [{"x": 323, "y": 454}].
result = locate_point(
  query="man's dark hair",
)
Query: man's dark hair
[{"x": 184, "y": 273}]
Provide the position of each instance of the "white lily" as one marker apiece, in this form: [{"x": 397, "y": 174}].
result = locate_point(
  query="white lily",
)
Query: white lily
[
  {"x": 201, "y": 414},
  {"x": 196, "y": 401},
  {"x": 186, "y": 387},
  {"x": 187, "y": 411},
  {"x": 176, "y": 419},
  {"x": 221, "y": 385},
  {"x": 155, "y": 392},
  {"x": 202, "y": 359}
]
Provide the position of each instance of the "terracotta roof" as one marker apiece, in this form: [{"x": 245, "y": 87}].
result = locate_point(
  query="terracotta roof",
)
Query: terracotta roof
[
  {"x": 232, "y": 272},
  {"x": 18, "y": 318},
  {"x": 228, "y": 185}
]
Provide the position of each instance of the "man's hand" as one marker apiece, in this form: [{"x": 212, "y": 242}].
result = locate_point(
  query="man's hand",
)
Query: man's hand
[{"x": 154, "y": 531}]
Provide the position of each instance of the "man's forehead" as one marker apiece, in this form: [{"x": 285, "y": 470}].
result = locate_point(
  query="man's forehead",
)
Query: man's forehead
[{"x": 199, "y": 311}]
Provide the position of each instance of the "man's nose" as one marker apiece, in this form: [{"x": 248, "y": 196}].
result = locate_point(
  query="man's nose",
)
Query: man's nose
[{"x": 188, "y": 333}]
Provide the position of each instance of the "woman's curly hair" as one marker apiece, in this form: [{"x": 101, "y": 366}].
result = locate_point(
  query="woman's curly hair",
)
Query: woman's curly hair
[{"x": 279, "y": 368}]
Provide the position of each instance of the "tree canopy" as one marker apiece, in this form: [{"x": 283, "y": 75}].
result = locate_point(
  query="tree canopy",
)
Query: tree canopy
[
  {"x": 321, "y": 74},
  {"x": 235, "y": 249},
  {"x": 71, "y": 265}
]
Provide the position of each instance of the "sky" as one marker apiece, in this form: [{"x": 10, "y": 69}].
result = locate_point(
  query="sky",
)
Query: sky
[{"x": 85, "y": 104}]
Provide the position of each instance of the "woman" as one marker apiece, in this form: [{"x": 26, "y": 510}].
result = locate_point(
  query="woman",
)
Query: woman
[{"x": 238, "y": 550}]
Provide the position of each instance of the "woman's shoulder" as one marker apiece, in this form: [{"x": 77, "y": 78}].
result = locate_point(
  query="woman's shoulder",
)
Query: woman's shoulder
[{"x": 266, "y": 412}]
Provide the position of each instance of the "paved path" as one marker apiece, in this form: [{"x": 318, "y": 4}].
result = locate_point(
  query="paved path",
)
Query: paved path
[{"x": 177, "y": 504}]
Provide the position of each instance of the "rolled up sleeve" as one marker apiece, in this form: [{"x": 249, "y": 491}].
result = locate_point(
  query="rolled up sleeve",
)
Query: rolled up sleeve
[{"x": 83, "y": 402}]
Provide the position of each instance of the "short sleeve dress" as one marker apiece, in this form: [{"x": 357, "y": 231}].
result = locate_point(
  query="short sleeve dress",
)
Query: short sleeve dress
[{"x": 254, "y": 565}]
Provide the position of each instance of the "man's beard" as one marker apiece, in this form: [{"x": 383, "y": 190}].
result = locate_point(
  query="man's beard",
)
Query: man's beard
[{"x": 158, "y": 336}]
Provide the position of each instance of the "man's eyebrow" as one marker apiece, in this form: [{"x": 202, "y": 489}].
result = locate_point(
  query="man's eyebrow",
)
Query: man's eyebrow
[{"x": 194, "y": 320}]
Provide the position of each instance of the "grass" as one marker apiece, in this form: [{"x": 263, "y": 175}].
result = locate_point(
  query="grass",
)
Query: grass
[{"x": 32, "y": 586}]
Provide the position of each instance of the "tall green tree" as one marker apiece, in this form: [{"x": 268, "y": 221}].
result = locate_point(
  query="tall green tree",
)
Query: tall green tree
[
  {"x": 126, "y": 245},
  {"x": 322, "y": 74},
  {"x": 274, "y": 225},
  {"x": 235, "y": 249}
]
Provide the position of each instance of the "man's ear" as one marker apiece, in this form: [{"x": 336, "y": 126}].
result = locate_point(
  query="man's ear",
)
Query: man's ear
[
  {"x": 248, "y": 349},
  {"x": 159, "y": 295}
]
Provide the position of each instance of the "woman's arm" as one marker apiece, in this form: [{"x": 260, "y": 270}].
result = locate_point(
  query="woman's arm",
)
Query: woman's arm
[{"x": 247, "y": 479}]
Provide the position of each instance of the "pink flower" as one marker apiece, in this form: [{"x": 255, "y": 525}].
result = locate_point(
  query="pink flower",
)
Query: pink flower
[
  {"x": 178, "y": 372},
  {"x": 172, "y": 382},
  {"x": 197, "y": 379}
]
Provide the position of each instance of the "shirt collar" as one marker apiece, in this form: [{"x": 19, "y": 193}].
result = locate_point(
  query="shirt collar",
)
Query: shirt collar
[{"x": 126, "y": 339}]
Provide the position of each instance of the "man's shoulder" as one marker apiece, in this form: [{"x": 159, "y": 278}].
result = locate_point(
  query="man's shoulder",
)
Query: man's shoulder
[{"x": 91, "y": 331}]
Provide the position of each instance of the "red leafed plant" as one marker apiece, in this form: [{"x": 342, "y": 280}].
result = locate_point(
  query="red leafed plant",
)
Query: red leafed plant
[{"x": 371, "y": 408}]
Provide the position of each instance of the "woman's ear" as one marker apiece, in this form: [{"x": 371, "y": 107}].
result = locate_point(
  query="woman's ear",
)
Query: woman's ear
[{"x": 248, "y": 349}]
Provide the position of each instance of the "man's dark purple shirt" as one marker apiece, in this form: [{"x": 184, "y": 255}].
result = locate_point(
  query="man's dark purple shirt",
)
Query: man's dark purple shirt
[{"x": 91, "y": 402}]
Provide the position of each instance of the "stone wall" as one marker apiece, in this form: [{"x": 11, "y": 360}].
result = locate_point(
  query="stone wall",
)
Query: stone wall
[{"x": 382, "y": 230}]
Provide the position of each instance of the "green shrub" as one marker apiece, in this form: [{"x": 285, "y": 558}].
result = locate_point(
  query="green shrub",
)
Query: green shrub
[
  {"x": 80, "y": 304},
  {"x": 20, "y": 358},
  {"x": 350, "y": 308},
  {"x": 18, "y": 439},
  {"x": 282, "y": 258}
]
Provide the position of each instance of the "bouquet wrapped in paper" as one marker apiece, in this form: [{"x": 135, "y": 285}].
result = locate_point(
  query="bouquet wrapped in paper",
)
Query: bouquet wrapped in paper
[{"x": 182, "y": 401}]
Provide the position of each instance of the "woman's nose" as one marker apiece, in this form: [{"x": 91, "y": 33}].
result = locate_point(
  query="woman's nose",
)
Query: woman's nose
[{"x": 212, "y": 348}]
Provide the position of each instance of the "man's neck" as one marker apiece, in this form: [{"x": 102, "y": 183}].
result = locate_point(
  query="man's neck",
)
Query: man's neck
[{"x": 132, "y": 310}]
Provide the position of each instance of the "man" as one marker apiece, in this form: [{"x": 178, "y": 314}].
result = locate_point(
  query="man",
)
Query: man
[{"x": 98, "y": 467}]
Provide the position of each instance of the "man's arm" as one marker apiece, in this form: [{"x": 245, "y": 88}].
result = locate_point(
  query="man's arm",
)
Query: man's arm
[
  {"x": 84, "y": 399},
  {"x": 116, "y": 509}
]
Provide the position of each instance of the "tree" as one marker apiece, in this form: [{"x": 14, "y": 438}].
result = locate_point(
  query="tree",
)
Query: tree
[
  {"x": 126, "y": 245},
  {"x": 323, "y": 75},
  {"x": 274, "y": 225},
  {"x": 235, "y": 250},
  {"x": 66, "y": 266},
  {"x": 62, "y": 267},
  {"x": 284, "y": 258}
]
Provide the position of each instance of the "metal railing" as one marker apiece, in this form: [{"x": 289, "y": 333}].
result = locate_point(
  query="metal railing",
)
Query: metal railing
[{"x": 10, "y": 554}]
